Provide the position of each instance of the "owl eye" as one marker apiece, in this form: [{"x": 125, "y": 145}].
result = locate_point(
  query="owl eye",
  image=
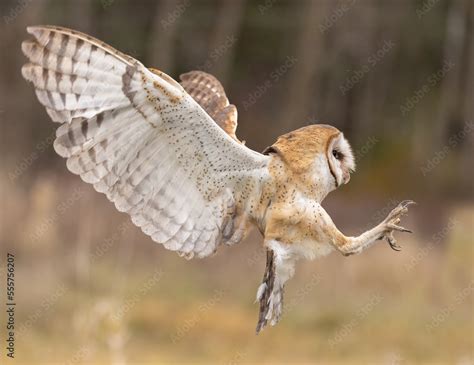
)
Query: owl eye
[{"x": 337, "y": 155}]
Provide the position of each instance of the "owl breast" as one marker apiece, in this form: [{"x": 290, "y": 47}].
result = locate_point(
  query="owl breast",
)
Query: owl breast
[
  {"x": 307, "y": 240},
  {"x": 310, "y": 249}
]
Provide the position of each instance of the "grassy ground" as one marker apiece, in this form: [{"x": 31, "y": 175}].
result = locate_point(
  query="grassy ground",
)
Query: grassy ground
[{"x": 92, "y": 289}]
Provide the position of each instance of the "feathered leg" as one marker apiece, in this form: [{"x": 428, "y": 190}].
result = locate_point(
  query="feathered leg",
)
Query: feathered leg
[{"x": 270, "y": 295}]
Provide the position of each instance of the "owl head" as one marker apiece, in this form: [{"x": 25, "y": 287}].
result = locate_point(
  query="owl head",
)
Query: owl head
[{"x": 318, "y": 154}]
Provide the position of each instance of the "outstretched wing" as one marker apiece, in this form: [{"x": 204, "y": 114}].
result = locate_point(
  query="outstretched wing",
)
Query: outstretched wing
[
  {"x": 138, "y": 137},
  {"x": 209, "y": 93}
]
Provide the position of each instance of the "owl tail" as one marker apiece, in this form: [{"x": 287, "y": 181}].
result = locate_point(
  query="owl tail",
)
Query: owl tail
[{"x": 270, "y": 295}]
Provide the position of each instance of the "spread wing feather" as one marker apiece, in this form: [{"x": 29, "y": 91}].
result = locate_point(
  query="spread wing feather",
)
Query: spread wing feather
[
  {"x": 138, "y": 137},
  {"x": 209, "y": 93}
]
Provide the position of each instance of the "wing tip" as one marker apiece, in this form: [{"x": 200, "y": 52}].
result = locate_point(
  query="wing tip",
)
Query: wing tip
[
  {"x": 26, "y": 72},
  {"x": 31, "y": 29},
  {"x": 37, "y": 30},
  {"x": 41, "y": 33},
  {"x": 28, "y": 48},
  {"x": 61, "y": 150}
]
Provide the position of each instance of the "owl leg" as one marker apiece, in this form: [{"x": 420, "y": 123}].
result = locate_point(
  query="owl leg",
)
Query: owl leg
[
  {"x": 279, "y": 268},
  {"x": 384, "y": 230},
  {"x": 265, "y": 291}
]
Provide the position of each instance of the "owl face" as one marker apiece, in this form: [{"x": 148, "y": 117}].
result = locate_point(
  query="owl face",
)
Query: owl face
[
  {"x": 340, "y": 159},
  {"x": 317, "y": 155}
]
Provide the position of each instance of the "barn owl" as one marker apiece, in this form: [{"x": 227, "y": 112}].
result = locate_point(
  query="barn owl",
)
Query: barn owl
[{"x": 167, "y": 154}]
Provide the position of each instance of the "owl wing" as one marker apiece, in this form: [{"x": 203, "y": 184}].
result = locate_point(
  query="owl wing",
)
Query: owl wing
[
  {"x": 209, "y": 93},
  {"x": 138, "y": 137}
]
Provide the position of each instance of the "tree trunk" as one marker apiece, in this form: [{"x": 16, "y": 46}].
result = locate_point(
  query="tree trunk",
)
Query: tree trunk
[
  {"x": 163, "y": 31},
  {"x": 450, "y": 112},
  {"x": 307, "y": 54},
  {"x": 227, "y": 29}
]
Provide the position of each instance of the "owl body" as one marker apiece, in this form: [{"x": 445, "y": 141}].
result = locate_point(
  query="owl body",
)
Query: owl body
[
  {"x": 300, "y": 179},
  {"x": 166, "y": 153}
]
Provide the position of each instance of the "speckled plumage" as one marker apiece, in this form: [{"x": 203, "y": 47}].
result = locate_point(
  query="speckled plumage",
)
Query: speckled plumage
[{"x": 167, "y": 154}]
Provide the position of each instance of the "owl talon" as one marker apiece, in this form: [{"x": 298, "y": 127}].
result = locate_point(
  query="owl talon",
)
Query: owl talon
[
  {"x": 399, "y": 210},
  {"x": 392, "y": 242},
  {"x": 398, "y": 228},
  {"x": 407, "y": 203},
  {"x": 395, "y": 247}
]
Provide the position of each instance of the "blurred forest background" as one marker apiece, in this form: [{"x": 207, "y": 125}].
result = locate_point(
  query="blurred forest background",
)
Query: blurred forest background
[{"x": 396, "y": 76}]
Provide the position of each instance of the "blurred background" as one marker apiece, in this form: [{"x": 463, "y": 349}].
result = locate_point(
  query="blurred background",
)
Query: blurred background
[{"x": 396, "y": 76}]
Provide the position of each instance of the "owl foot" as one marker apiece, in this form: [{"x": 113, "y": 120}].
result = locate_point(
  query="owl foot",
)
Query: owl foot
[{"x": 390, "y": 224}]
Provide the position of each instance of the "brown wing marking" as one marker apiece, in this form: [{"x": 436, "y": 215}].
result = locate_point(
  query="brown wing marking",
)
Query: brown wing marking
[{"x": 209, "y": 93}]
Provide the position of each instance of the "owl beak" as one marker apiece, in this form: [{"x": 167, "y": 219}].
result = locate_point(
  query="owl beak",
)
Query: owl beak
[{"x": 346, "y": 177}]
